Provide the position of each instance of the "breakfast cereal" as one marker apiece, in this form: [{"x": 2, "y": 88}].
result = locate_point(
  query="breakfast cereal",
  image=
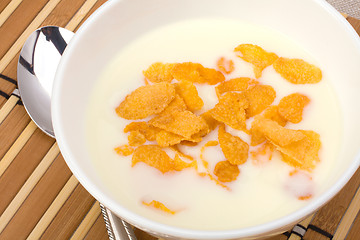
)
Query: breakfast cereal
[{"x": 255, "y": 136}]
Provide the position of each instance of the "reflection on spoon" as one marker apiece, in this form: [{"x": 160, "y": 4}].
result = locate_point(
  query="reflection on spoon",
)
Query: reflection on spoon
[{"x": 36, "y": 70}]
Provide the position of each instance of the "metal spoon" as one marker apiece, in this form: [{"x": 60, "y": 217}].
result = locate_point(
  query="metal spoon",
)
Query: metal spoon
[{"x": 36, "y": 70}]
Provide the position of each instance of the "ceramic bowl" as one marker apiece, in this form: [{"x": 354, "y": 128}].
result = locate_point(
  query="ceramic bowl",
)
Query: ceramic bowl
[{"x": 318, "y": 27}]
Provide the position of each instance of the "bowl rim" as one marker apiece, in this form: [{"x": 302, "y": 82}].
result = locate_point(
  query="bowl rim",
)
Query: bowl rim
[{"x": 167, "y": 230}]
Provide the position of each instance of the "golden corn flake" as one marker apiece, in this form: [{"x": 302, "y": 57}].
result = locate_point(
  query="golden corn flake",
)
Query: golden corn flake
[
  {"x": 146, "y": 101},
  {"x": 159, "y": 72},
  {"x": 197, "y": 137},
  {"x": 189, "y": 94},
  {"x": 177, "y": 104},
  {"x": 153, "y": 156},
  {"x": 165, "y": 138},
  {"x": 189, "y": 143},
  {"x": 236, "y": 151},
  {"x": 302, "y": 154},
  {"x": 179, "y": 165},
  {"x": 272, "y": 112},
  {"x": 144, "y": 128},
  {"x": 136, "y": 126},
  {"x": 235, "y": 84},
  {"x": 225, "y": 66},
  {"x": 259, "y": 97},
  {"x": 256, "y": 137},
  {"x": 210, "y": 121},
  {"x": 275, "y": 133},
  {"x": 256, "y": 56},
  {"x": 297, "y": 71},
  {"x": 291, "y": 107},
  {"x": 183, "y": 123},
  {"x": 136, "y": 138},
  {"x": 195, "y": 72},
  {"x": 124, "y": 150},
  {"x": 158, "y": 205},
  {"x": 226, "y": 172},
  {"x": 146, "y": 82},
  {"x": 231, "y": 110}
]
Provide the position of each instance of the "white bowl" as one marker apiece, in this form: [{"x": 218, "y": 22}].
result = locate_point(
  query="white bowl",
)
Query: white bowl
[{"x": 313, "y": 23}]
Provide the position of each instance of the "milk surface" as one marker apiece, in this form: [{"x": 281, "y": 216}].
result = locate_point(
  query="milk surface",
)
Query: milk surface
[{"x": 262, "y": 192}]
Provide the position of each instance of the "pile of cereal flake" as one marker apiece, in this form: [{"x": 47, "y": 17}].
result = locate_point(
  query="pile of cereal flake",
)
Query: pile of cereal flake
[{"x": 170, "y": 109}]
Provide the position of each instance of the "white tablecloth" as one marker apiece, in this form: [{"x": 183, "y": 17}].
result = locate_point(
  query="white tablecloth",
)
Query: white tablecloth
[{"x": 350, "y": 7}]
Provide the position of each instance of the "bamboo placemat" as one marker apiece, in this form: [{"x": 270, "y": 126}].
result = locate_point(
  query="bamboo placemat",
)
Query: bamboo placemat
[{"x": 40, "y": 198}]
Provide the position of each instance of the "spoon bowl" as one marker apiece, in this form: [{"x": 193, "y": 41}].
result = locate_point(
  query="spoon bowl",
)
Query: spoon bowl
[{"x": 36, "y": 69}]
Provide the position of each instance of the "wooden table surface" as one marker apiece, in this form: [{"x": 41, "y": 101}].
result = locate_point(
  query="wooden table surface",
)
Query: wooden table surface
[{"x": 39, "y": 196}]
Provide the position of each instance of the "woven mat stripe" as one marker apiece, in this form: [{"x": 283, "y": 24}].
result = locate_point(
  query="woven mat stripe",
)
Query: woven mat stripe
[
  {"x": 15, "y": 48},
  {"x": 8, "y": 106},
  {"x": 55, "y": 206},
  {"x": 17, "y": 146},
  {"x": 98, "y": 230},
  {"x": 28, "y": 186},
  {"x": 349, "y": 217},
  {"x": 295, "y": 234},
  {"x": 8, "y": 10},
  {"x": 87, "y": 223}
]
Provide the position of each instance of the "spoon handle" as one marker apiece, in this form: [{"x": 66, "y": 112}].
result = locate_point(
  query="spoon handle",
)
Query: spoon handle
[{"x": 117, "y": 228}]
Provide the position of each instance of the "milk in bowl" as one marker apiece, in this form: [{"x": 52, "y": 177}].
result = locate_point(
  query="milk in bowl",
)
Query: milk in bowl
[{"x": 266, "y": 187}]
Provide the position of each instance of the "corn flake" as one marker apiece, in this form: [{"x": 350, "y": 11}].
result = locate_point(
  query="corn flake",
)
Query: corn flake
[
  {"x": 256, "y": 56},
  {"x": 183, "y": 123},
  {"x": 153, "y": 156},
  {"x": 256, "y": 136},
  {"x": 236, "y": 151},
  {"x": 144, "y": 128},
  {"x": 291, "y": 107},
  {"x": 275, "y": 133},
  {"x": 226, "y": 172},
  {"x": 225, "y": 66},
  {"x": 259, "y": 97},
  {"x": 297, "y": 71},
  {"x": 178, "y": 104},
  {"x": 231, "y": 110},
  {"x": 189, "y": 94},
  {"x": 160, "y": 206},
  {"x": 159, "y": 72},
  {"x": 136, "y": 138},
  {"x": 302, "y": 154},
  {"x": 179, "y": 164},
  {"x": 146, "y": 101},
  {"x": 124, "y": 150},
  {"x": 272, "y": 113},
  {"x": 165, "y": 138},
  {"x": 188, "y": 143},
  {"x": 235, "y": 84},
  {"x": 210, "y": 121},
  {"x": 195, "y": 72}
]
